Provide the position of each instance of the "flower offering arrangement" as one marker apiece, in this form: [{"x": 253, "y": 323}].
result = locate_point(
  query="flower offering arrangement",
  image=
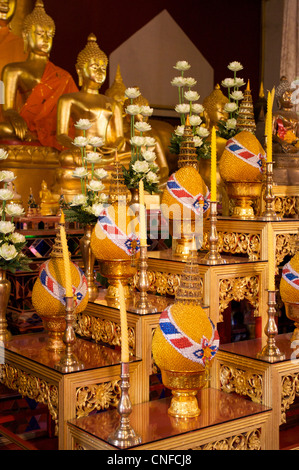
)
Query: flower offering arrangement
[
  {"x": 11, "y": 242},
  {"x": 142, "y": 164},
  {"x": 87, "y": 206},
  {"x": 228, "y": 128},
  {"x": 188, "y": 106}
]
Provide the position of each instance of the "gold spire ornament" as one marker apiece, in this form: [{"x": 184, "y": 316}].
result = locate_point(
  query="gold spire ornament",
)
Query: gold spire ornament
[
  {"x": 187, "y": 155},
  {"x": 245, "y": 119}
]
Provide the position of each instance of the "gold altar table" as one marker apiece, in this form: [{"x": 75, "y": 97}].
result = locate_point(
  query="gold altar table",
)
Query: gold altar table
[
  {"x": 239, "y": 278},
  {"x": 226, "y": 422},
  {"x": 100, "y": 322},
  {"x": 236, "y": 369},
  {"x": 249, "y": 237},
  {"x": 27, "y": 367}
]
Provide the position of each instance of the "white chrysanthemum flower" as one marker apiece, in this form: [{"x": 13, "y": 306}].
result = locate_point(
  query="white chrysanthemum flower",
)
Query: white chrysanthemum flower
[
  {"x": 146, "y": 111},
  {"x": 202, "y": 131},
  {"x": 183, "y": 108},
  {"x": 239, "y": 82},
  {"x": 17, "y": 238},
  {"x": 149, "y": 141},
  {"x": 6, "y": 194},
  {"x": 151, "y": 177},
  {"x": 235, "y": 66},
  {"x": 149, "y": 155},
  {"x": 190, "y": 81},
  {"x": 7, "y": 176},
  {"x": 197, "y": 108},
  {"x": 197, "y": 141},
  {"x": 178, "y": 81},
  {"x": 137, "y": 141},
  {"x": 179, "y": 130},
  {"x": 228, "y": 82},
  {"x": 100, "y": 173},
  {"x": 191, "y": 95},
  {"x": 103, "y": 197},
  {"x": 80, "y": 141},
  {"x": 14, "y": 210},
  {"x": 237, "y": 95},
  {"x": 96, "y": 209},
  {"x": 142, "y": 126},
  {"x": 95, "y": 185},
  {"x": 6, "y": 226},
  {"x": 83, "y": 124},
  {"x": 133, "y": 109},
  {"x": 79, "y": 200},
  {"x": 80, "y": 172},
  {"x": 195, "y": 120},
  {"x": 96, "y": 141},
  {"x": 3, "y": 154},
  {"x": 132, "y": 93},
  {"x": 230, "y": 107},
  {"x": 93, "y": 157},
  {"x": 182, "y": 65},
  {"x": 8, "y": 251},
  {"x": 141, "y": 166},
  {"x": 231, "y": 123}
]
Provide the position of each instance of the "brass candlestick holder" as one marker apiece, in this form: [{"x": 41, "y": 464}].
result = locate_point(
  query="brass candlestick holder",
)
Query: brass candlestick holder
[
  {"x": 269, "y": 212},
  {"x": 143, "y": 305},
  {"x": 124, "y": 435},
  {"x": 270, "y": 351},
  {"x": 69, "y": 362},
  {"x": 213, "y": 257}
]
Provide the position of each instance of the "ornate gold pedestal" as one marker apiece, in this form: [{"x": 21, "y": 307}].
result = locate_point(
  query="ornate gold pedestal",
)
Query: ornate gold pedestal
[
  {"x": 117, "y": 270},
  {"x": 292, "y": 312},
  {"x": 184, "y": 387},
  {"x": 243, "y": 194}
]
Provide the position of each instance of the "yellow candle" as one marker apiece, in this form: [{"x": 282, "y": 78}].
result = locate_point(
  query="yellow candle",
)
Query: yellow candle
[
  {"x": 269, "y": 127},
  {"x": 271, "y": 259},
  {"x": 123, "y": 325},
  {"x": 142, "y": 221},
  {"x": 66, "y": 259},
  {"x": 213, "y": 165}
]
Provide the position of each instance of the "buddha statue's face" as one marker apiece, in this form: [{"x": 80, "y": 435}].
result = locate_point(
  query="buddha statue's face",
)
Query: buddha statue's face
[
  {"x": 7, "y": 9},
  {"x": 218, "y": 113},
  {"x": 94, "y": 70},
  {"x": 40, "y": 39}
]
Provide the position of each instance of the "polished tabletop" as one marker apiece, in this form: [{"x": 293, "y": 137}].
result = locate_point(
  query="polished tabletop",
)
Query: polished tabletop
[
  {"x": 152, "y": 422},
  {"x": 34, "y": 347}
]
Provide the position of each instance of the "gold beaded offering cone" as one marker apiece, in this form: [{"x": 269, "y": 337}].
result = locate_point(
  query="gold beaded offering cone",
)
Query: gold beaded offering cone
[
  {"x": 245, "y": 119},
  {"x": 184, "y": 345},
  {"x": 187, "y": 155}
]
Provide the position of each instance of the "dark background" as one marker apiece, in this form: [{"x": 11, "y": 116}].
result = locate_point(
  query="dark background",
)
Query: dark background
[{"x": 223, "y": 31}]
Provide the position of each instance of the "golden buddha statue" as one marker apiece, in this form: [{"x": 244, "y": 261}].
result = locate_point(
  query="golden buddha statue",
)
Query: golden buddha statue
[
  {"x": 285, "y": 121},
  {"x": 117, "y": 89},
  {"x": 38, "y": 81},
  {"x": 103, "y": 113},
  {"x": 49, "y": 204},
  {"x": 214, "y": 108}
]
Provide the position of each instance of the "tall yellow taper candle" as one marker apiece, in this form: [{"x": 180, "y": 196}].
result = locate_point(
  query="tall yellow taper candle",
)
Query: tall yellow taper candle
[
  {"x": 269, "y": 127},
  {"x": 142, "y": 221},
  {"x": 271, "y": 259},
  {"x": 213, "y": 165},
  {"x": 123, "y": 325},
  {"x": 66, "y": 259}
]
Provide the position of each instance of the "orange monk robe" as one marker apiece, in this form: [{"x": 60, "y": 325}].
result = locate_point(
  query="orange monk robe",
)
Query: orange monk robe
[
  {"x": 11, "y": 50},
  {"x": 40, "y": 109}
]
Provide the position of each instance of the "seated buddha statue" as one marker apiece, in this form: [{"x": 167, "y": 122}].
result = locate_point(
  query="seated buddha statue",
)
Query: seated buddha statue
[
  {"x": 38, "y": 81},
  {"x": 285, "y": 126},
  {"x": 11, "y": 44},
  {"x": 49, "y": 204}
]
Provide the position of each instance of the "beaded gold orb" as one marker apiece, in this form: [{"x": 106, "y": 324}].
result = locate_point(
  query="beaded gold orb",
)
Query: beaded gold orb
[
  {"x": 48, "y": 296},
  {"x": 289, "y": 292}
]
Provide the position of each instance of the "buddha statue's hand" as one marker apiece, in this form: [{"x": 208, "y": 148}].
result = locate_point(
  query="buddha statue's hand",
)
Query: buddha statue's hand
[
  {"x": 18, "y": 123},
  {"x": 107, "y": 150}
]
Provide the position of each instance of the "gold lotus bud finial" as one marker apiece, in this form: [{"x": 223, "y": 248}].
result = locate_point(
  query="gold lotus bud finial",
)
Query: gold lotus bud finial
[
  {"x": 118, "y": 88},
  {"x": 38, "y": 16},
  {"x": 262, "y": 92},
  {"x": 248, "y": 86},
  {"x": 90, "y": 51}
]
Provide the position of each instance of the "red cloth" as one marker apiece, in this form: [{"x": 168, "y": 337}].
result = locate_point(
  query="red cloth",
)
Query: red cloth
[{"x": 40, "y": 109}]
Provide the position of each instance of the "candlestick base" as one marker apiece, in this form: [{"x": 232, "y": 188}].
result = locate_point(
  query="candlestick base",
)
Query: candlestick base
[
  {"x": 271, "y": 352},
  {"x": 69, "y": 364},
  {"x": 124, "y": 436}
]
